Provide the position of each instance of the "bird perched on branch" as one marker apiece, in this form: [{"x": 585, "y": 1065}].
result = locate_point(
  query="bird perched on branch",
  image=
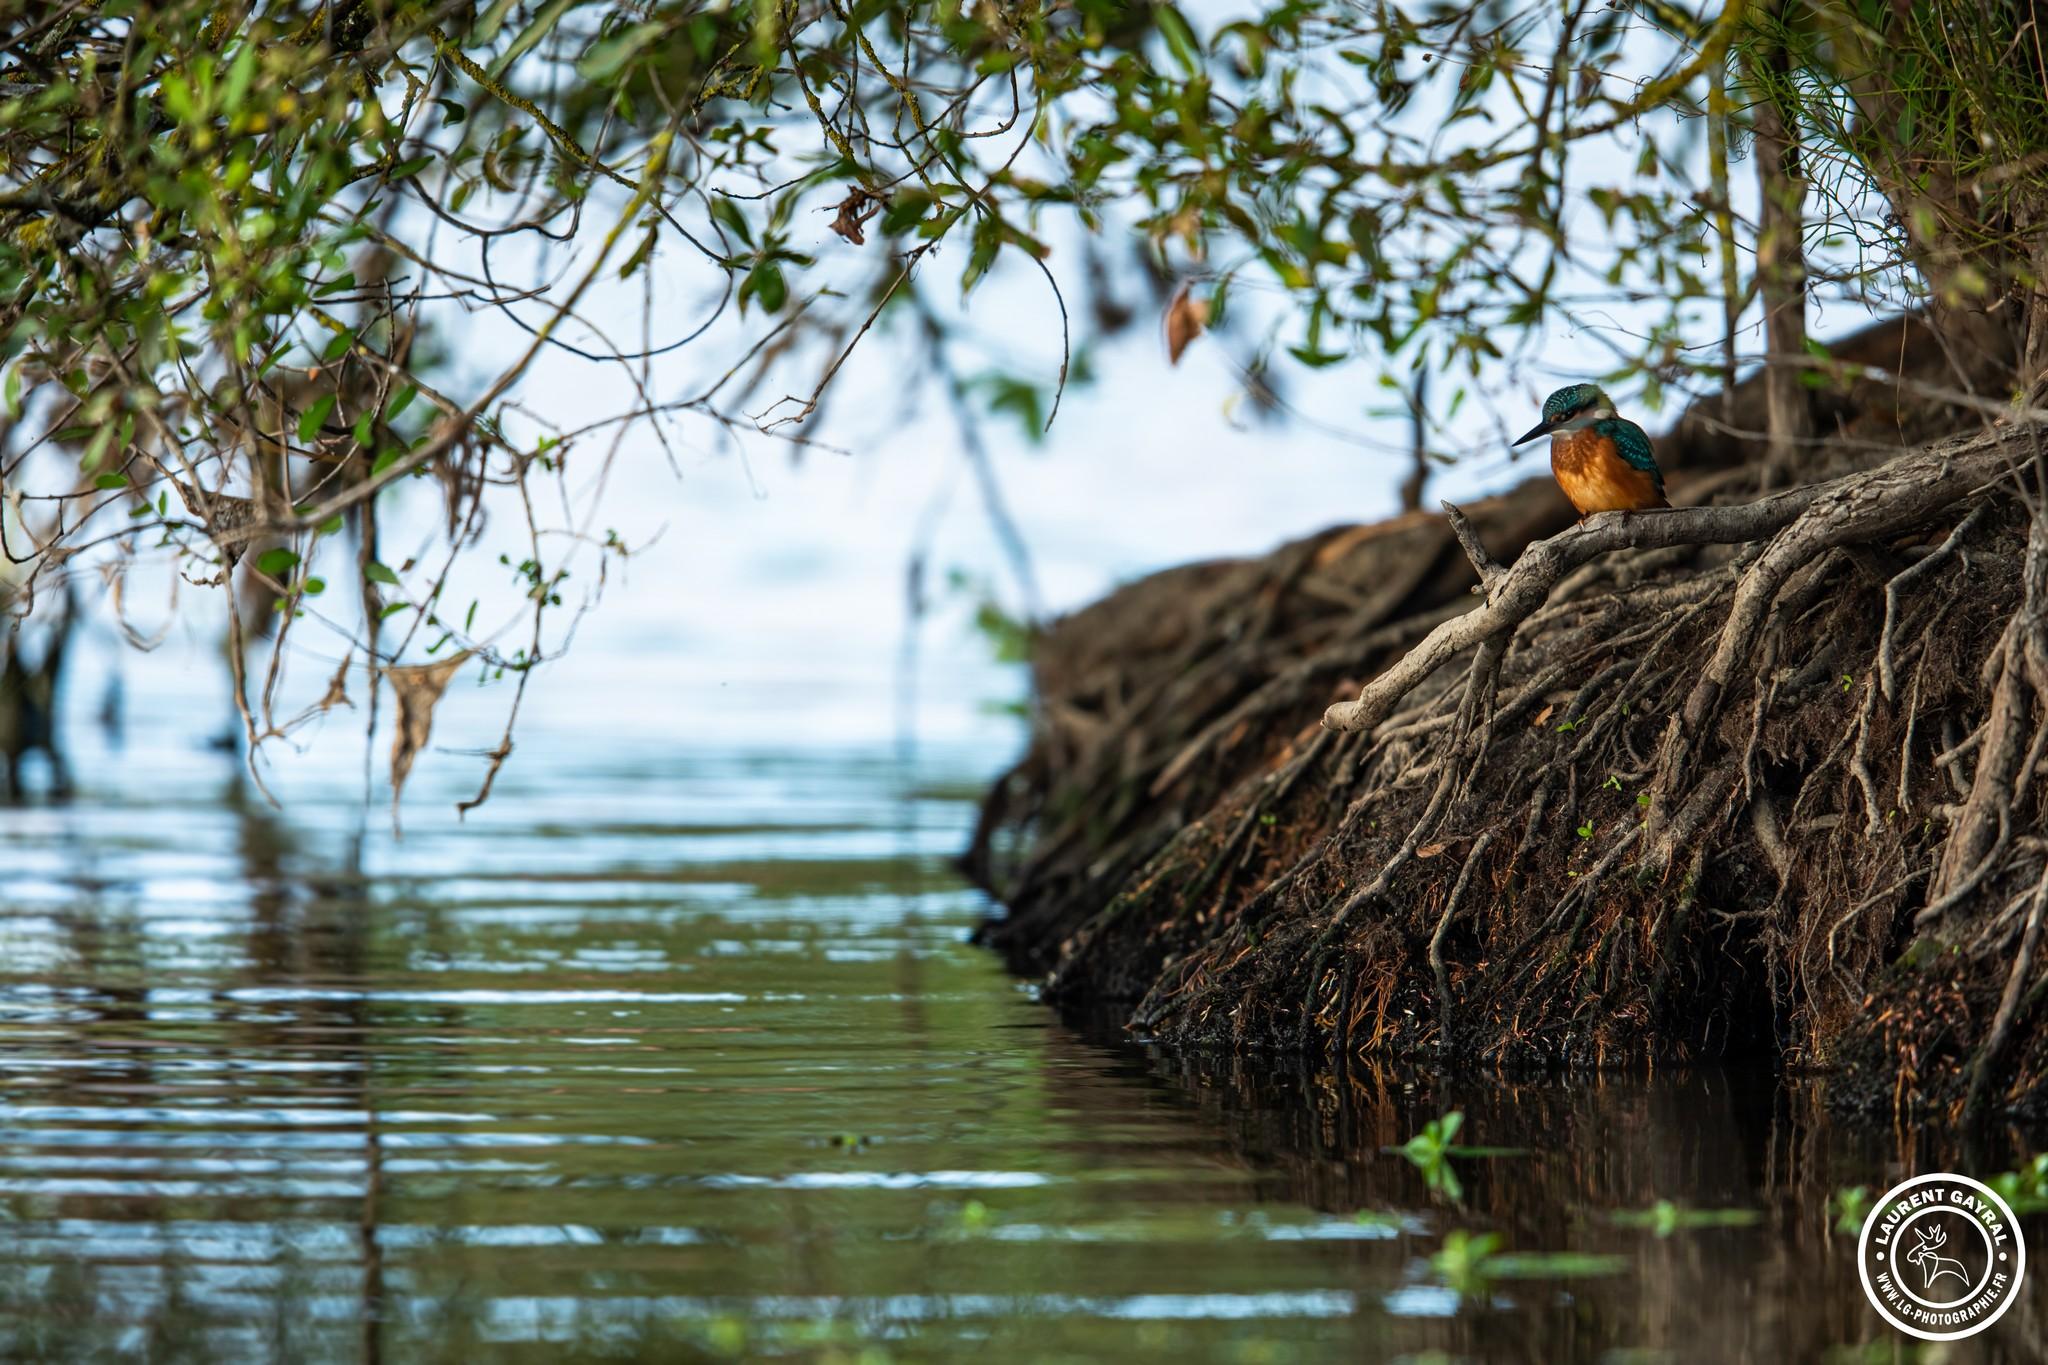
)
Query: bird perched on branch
[{"x": 1602, "y": 462}]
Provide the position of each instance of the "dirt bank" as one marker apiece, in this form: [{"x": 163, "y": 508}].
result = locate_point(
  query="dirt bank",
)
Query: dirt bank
[{"x": 1758, "y": 779}]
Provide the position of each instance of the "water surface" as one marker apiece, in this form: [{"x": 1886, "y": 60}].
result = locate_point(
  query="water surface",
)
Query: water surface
[{"x": 681, "y": 1052}]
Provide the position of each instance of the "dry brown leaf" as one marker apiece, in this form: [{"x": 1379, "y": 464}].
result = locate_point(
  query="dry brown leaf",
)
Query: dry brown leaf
[
  {"x": 337, "y": 687},
  {"x": 1430, "y": 850},
  {"x": 1186, "y": 316},
  {"x": 1541, "y": 716},
  {"x": 417, "y": 688},
  {"x": 854, "y": 210}
]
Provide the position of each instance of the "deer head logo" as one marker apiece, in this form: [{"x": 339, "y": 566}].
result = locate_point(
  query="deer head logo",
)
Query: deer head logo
[{"x": 1933, "y": 1265}]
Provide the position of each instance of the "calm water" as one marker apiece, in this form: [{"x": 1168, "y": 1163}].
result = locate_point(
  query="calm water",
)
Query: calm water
[{"x": 682, "y": 1053}]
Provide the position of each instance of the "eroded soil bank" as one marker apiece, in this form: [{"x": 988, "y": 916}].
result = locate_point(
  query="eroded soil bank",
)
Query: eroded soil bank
[{"x": 1773, "y": 796}]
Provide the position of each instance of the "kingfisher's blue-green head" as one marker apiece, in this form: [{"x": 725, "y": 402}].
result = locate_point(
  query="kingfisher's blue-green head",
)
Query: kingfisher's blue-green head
[{"x": 1571, "y": 407}]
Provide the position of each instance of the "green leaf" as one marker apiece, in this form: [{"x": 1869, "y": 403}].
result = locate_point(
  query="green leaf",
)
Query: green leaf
[
  {"x": 640, "y": 254},
  {"x": 315, "y": 586},
  {"x": 604, "y": 60},
  {"x": 240, "y": 73},
  {"x": 1180, "y": 38},
  {"x": 331, "y": 526},
  {"x": 13, "y": 393},
  {"x": 905, "y": 211},
  {"x": 767, "y": 285},
  {"x": 728, "y": 213},
  {"x": 111, "y": 481},
  {"x": 405, "y": 169},
  {"x": 378, "y": 573},
  {"x": 400, "y": 402},
  {"x": 486, "y": 31},
  {"x": 276, "y": 562},
  {"x": 543, "y": 23},
  {"x": 988, "y": 239},
  {"x": 312, "y": 418}
]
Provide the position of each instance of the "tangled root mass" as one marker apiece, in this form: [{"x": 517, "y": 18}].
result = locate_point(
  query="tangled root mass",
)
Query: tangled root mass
[{"x": 1759, "y": 777}]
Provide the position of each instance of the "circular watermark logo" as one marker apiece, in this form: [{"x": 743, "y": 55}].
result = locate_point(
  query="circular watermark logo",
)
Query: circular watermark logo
[{"x": 1941, "y": 1257}]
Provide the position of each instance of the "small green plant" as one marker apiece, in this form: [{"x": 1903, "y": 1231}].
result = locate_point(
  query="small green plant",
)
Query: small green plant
[
  {"x": 727, "y": 1335},
  {"x": 1586, "y": 830},
  {"x": 1850, "y": 1206},
  {"x": 1468, "y": 1263},
  {"x": 2025, "y": 1189},
  {"x": 1462, "y": 1262},
  {"x": 1664, "y": 1218},
  {"x": 1431, "y": 1150}
]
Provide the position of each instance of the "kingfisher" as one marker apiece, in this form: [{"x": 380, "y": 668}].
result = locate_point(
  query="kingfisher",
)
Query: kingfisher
[{"x": 1602, "y": 462}]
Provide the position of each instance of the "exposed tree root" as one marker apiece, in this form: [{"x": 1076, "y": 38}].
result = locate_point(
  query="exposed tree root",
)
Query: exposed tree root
[{"x": 1756, "y": 776}]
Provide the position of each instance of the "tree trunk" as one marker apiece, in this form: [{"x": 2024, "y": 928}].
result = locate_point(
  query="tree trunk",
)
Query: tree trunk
[
  {"x": 1724, "y": 227},
  {"x": 1781, "y": 269}
]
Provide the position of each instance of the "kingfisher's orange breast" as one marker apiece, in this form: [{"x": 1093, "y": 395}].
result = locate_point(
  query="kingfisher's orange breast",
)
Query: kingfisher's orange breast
[{"x": 1595, "y": 477}]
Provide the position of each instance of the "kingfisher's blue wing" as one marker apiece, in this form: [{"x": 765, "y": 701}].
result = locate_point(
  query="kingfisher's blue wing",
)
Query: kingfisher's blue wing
[{"x": 1633, "y": 443}]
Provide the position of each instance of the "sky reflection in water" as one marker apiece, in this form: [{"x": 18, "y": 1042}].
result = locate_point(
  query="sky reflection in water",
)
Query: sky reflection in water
[{"x": 695, "y": 1062}]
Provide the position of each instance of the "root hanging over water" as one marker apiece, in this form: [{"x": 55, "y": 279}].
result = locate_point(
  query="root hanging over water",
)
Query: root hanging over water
[{"x": 1753, "y": 777}]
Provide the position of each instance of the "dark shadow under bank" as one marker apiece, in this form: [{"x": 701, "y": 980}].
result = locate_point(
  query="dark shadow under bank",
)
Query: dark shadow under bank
[
  {"x": 1183, "y": 840},
  {"x": 1751, "y": 1166}
]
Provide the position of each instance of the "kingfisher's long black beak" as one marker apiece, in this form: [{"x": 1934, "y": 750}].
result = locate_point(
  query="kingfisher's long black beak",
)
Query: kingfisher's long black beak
[{"x": 1542, "y": 429}]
